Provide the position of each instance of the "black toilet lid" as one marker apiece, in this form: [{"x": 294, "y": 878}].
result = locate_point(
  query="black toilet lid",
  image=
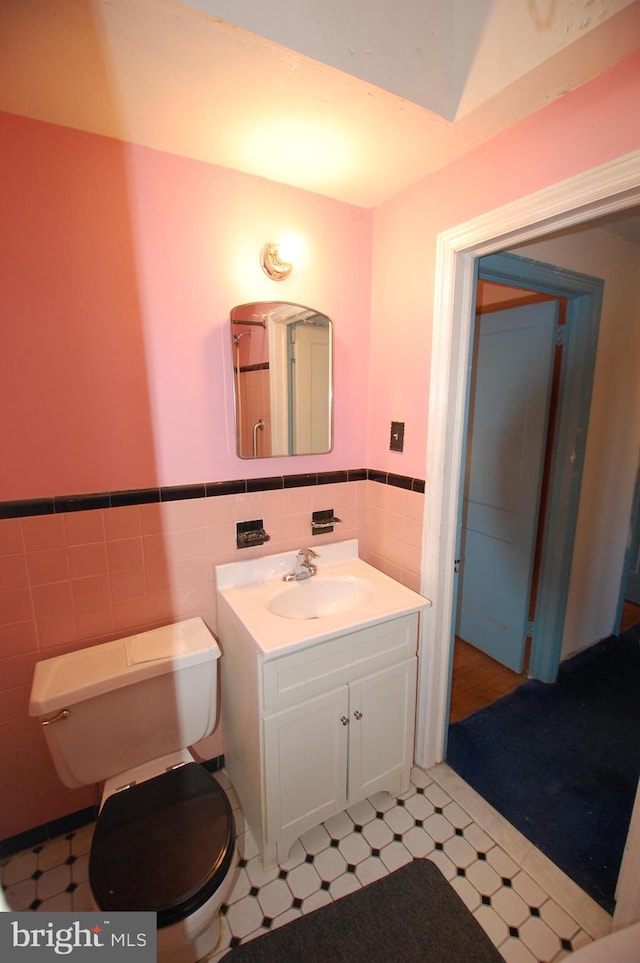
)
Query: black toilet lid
[{"x": 164, "y": 845}]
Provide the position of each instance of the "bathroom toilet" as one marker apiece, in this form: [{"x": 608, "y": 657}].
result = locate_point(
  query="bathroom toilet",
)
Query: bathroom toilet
[{"x": 126, "y": 712}]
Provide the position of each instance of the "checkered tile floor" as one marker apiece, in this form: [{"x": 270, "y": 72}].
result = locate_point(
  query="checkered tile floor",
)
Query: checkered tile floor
[{"x": 350, "y": 850}]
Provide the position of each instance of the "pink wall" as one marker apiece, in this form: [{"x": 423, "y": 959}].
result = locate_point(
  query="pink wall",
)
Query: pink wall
[
  {"x": 583, "y": 129},
  {"x": 72, "y": 580},
  {"x": 118, "y": 268}
]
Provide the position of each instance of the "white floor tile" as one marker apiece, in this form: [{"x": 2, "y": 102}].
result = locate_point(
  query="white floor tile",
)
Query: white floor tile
[
  {"x": 484, "y": 878},
  {"x": 246, "y": 845},
  {"x": 303, "y": 880},
  {"x": 460, "y": 851},
  {"x": 444, "y": 864},
  {"x": 354, "y": 848},
  {"x": 540, "y": 939},
  {"x": 420, "y": 778},
  {"x": 81, "y": 898},
  {"x": 80, "y": 869},
  {"x": 244, "y": 917},
  {"x": 19, "y": 868},
  {"x": 513, "y": 951},
  {"x": 377, "y": 833},
  {"x": 53, "y": 881},
  {"x": 60, "y": 903},
  {"x": 258, "y": 875},
  {"x": 316, "y": 840},
  {"x": 478, "y": 838},
  {"x": 502, "y": 880},
  {"x": 456, "y": 815},
  {"x": 316, "y": 901},
  {"x": 370, "y": 870},
  {"x": 339, "y": 826},
  {"x": 399, "y": 819},
  {"x": 275, "y": 898},
  {"x": 240, "y": 889},
  {"x": 288, "y": 917},
  {"x": 80, "y": 842},
  {"x": 510, "y": 907},
  {"x": 21, "y": 895},
  {"x": 418, "y": 842},
  {"x": 382, "y": 801},
  {"x": 363, "y": 812},
  {"x": 531, "y": 893},
  {"x": 495, "y": 928},
  {"x": 559, "y": 921},
  {"x": 329, "y": 864},
  {"x": 437, "y": 795},
  {"x": 467, "y": 893},
  {"x": 297, "y": 855},
  {"x": 344, "y": 885},
  {"x": 439, "y": 828},
  {"x": 54, "y": 853},
  {"x": 419, "y": 807},
  {"x": 502, "y": 863}
]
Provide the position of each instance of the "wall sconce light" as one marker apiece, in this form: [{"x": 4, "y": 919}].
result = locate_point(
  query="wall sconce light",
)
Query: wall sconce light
[{"x": 272, "y": 263}]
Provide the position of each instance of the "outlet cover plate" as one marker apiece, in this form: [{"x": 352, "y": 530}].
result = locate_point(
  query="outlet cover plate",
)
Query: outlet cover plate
[{"x": 396, "y": 442}]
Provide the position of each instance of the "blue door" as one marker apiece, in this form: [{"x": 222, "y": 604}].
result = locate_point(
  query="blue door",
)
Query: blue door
[
  {"x": 508, "y": 415},
  {"x": 633, "y": 579}
]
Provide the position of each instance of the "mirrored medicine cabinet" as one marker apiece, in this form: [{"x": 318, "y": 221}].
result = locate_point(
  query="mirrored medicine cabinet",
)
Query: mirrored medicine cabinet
[{"x": 283, "y": 379}]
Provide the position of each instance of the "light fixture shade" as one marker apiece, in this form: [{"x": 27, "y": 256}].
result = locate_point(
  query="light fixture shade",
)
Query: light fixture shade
[{"x": 271, "y": 264}]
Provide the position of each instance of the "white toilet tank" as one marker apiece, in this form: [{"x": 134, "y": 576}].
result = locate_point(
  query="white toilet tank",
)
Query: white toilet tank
[{"x": 110, "y": 707}]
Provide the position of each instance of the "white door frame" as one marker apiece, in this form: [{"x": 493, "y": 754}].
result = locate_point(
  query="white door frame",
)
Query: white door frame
[{"x": 606, "y": 189}]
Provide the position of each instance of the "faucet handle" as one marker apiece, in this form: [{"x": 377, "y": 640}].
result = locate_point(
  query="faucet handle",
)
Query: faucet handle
[{"x": 307, "y": 553}]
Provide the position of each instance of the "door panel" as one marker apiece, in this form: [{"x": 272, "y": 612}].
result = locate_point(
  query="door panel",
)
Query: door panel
[
  {"x": 382, "y": 722},
  {"x": 305, "y": 749},
  {"x": 508, "y": 412},
  {"x": 311, "y": 389},
  {"x": 633, "y": 579}
]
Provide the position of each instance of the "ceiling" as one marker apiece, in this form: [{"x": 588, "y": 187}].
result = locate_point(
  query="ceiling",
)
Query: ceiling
[{"x": 355, "y": 108}]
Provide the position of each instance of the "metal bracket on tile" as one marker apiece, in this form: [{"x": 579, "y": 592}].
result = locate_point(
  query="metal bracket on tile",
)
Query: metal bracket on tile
[
  {"x": 250, "y": 534},
  {"x": 322, "y": 522}
]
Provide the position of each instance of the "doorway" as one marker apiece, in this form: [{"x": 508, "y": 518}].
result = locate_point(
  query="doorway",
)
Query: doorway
[
  {"x": 546, "y": 351},
  {"x": 481, "y": 674},
  {"x": 612, "y": 188},
  {"x": 607, "y": 190},
  {"x": 509, "y": 429}
]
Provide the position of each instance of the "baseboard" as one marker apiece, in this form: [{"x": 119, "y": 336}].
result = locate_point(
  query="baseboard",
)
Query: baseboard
[{"x": 67, "y": 824}]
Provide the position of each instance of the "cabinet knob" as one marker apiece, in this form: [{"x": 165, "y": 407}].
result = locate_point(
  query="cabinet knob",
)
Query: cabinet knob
[
  {"x": 358, "y": 714},
  {"x": 344, "y": 720}
]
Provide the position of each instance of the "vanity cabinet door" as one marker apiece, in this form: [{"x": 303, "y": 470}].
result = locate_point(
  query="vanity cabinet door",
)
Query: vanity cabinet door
[
  {"x": 305, "y": 756},
  {"x": 381, "y": 730}
]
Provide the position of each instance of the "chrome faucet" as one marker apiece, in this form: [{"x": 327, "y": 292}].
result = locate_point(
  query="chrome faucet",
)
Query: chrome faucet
[{"x": 304, "y": 567}]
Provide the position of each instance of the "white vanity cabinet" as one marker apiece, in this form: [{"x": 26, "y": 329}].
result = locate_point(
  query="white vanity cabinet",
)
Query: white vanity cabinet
[{"x": 312, "y": 731}]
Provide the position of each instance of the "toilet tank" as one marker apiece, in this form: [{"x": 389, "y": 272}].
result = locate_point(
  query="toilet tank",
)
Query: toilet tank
[{"x": 110, "y": 707}]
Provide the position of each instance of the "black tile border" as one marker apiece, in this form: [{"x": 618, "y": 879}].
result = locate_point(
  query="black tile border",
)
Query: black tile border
[
  {"x": 68, "y": 824},
  {"x": 60, "y": 504},
  {"x": 48, "y": 831}
]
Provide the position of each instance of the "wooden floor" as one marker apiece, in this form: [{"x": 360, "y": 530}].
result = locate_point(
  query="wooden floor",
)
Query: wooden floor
[
  {"x": 479, "y": 680},
  {"x": 630, "y": 615}
]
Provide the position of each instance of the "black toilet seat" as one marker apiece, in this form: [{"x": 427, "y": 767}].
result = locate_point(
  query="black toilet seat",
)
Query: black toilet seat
[{"x": 164, "y": 845}]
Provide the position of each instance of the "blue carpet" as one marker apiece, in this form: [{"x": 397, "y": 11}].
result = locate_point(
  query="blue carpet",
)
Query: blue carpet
[{"x": 561, "y": 762}]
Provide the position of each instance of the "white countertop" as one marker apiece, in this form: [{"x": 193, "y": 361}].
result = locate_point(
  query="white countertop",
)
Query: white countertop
[{"x": 248, "y": 587}]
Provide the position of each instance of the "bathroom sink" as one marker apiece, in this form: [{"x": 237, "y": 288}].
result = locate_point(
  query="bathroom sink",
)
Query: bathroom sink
[
  {"x": 311, "y": 599},
  {"x": 346, "y": 595}
]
